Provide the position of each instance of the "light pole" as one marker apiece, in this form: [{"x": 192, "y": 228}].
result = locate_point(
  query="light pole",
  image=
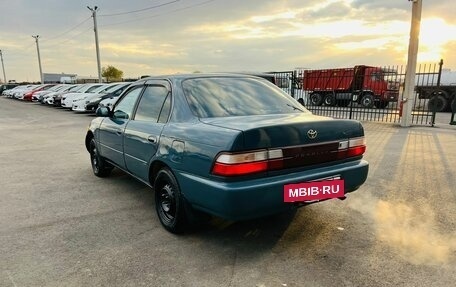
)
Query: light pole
[
  {"x": 3, "y": 67},
  {"x": 39, "y": 57},
  {"x": 95, "y": 29},
  {"x": 409, "y": 97}
]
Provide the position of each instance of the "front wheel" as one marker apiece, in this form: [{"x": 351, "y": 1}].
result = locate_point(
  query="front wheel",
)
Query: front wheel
[{"x": 99, "y": 166}]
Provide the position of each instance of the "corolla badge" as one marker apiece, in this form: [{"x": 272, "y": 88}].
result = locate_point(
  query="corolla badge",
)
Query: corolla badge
[{"x": 312, "y": 134}]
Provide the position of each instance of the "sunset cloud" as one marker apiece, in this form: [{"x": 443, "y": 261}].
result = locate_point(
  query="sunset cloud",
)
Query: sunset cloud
[{"x": 219, "y": 35}]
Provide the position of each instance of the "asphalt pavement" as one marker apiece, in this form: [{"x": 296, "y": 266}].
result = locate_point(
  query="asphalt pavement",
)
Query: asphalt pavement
[{"x": 62, "y": 226}]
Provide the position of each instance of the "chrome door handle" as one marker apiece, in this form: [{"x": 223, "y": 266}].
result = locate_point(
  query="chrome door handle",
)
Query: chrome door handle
[{"x": 152, "y": 139}]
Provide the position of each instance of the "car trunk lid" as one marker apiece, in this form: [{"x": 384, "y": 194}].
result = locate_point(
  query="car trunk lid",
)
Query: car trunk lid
[
  {"x": 287, "y": 130},
  {"x": 279, "y": 142}
]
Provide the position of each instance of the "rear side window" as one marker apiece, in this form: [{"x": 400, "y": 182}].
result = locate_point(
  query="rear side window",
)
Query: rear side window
[
  {"x": 232, "y": 96},
  {"x": 151, "y": 103}
]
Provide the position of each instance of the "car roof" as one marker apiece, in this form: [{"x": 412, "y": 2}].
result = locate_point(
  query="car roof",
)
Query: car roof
[{"x": 204, "y": 75}]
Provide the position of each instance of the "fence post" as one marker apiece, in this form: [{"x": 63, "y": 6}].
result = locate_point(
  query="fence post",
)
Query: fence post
[
  {"x": 434, "y": 107},
  {"x": 294, "y": 77},
  {"x": 453, "y": 112},
  {"x": 439, "y": 76},
  {"x": 351, "y": 106}
]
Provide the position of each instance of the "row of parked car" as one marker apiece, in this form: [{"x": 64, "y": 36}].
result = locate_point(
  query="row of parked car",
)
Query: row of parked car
[{"x": 77, "y": 97}]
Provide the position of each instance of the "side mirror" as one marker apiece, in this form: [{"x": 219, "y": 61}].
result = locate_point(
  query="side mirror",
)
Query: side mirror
[{"x": 102, "y": 112}]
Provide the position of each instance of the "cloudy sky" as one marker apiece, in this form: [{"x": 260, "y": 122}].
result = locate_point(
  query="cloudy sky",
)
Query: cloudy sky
[{"x": 150, "y": 37}]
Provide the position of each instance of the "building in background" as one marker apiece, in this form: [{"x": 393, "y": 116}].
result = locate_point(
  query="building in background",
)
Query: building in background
[
  {"x": 89, "y": 79},
  {"x": 52, "y": 78}
]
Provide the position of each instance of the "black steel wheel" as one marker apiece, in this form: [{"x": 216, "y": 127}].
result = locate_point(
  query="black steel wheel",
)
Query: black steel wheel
[
  {"x": 367, "y": 101},
  {"x": 316, "y": 99},
  {"x": 169, "y": 202},
  {"x": 99, "y": 166}
]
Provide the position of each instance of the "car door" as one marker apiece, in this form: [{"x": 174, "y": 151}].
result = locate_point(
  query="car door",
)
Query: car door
[
  {"x": 142, "y": 133},
  {"x": 111, "y": 130}
]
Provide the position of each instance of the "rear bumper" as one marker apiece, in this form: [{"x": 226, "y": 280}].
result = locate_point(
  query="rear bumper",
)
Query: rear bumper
[{"x": 260, "y": 197}]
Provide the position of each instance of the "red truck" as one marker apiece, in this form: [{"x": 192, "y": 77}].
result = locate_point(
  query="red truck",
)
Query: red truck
[{"x": 366, "y": 85}]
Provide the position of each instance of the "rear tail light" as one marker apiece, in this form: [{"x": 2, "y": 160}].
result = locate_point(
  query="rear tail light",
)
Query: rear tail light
[
  {"x": 237, "y": 164},
  {"x": 234, "y": 164},
  {"x": 352, "y": 147}
]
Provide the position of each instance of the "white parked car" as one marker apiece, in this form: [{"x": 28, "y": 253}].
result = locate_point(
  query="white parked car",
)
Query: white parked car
[
  {"x": 18, "y": 93},
  {"x": 87, "y": 102},
  {"x": 50, "y": 98},
  {"x": 10, "y": 92},
  {"x": 67, "y": 99},
  {"x": 88, "y": 95}
]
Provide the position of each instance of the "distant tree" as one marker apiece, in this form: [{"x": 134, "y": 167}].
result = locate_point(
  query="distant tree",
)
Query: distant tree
[{"x": 111, "y": 73}]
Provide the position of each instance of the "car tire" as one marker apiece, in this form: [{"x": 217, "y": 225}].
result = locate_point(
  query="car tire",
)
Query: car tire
[
  {"x": 329, "y": 100},
  {"x": 172, "y": 208},
  {"x": 316, "y": 99},
  {"x": 367, "y": 101},
  {"x": 99, "y": 166}
]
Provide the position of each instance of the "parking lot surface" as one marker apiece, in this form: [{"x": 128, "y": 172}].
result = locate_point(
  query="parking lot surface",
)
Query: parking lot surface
[{"x": 62, "y": 226}]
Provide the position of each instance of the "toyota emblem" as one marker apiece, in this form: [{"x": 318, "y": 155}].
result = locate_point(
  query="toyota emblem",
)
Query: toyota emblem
[{"x": 312, "y": 134}]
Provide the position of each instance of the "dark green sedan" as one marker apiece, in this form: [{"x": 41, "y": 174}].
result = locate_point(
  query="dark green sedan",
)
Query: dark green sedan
[{"x": 234, "y": 146}]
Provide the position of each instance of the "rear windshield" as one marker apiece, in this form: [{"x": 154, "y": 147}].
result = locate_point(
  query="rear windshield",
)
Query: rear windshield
[{"x": 231, "y": 96}]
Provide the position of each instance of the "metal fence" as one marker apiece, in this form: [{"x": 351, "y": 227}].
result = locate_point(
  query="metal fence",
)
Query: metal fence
[{"x": 363, "y": 93}]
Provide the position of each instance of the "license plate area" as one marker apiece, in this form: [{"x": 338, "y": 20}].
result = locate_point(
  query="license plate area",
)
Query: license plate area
[{"x": 314, "y": 190}]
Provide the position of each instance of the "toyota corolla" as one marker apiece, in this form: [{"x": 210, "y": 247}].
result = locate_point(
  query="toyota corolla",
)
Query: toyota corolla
[{"x": 229, "y": 145}]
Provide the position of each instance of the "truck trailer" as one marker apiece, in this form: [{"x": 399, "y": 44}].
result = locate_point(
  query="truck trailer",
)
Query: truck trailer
[
  {"x": 368, "y": 86},
  {"x": 440, "y": 91}
]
